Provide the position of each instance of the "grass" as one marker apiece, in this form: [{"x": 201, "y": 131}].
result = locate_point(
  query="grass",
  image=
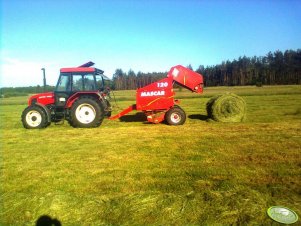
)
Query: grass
[{"x": 130, "y": 172}]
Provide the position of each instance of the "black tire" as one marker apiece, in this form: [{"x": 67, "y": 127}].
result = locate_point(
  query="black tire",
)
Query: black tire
[
  {"x": 86, "y": 112},
  {"x": 34, "y": 117},
  {"x": 175, "y": 116}
]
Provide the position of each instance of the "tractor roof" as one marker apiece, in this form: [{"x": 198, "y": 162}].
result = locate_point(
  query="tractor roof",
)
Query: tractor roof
[
  {"x": 85, "y": 68},
  {"x": 81, "y": 69}
]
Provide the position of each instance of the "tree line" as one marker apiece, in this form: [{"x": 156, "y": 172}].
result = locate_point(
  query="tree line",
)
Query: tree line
[
  {"x": 23, "y": 91},
  {"x": 127, "y": 81},
  {"x": 277, "y": 68}
]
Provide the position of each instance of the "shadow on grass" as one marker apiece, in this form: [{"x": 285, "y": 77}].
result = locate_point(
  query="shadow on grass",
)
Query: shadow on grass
[
  {"x": 296, "y": 112},
  {"x": 138, "y": 117},
  {"x": 199, "y": 117},
  {"x": 47, "y": 221}
]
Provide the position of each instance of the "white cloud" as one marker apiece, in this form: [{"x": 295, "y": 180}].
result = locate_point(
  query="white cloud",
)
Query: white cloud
[{"x": 18, "y": 72}]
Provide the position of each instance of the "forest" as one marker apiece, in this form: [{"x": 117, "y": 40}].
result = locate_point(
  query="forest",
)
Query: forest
[{"x": 276, "y": 68}]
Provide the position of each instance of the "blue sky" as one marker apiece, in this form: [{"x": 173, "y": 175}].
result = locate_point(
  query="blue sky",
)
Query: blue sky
[{"x": 145, "y": 35}]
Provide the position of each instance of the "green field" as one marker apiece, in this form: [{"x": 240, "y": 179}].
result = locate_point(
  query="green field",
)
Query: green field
[{"x": 130, "y": 172}]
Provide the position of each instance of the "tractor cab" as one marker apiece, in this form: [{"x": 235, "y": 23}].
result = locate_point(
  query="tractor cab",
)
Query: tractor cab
[
  {"x": 78, "y": 80},
  {"x": 75, "y": 79}
]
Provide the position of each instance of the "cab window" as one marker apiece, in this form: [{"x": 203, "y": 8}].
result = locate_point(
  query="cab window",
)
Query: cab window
[
  {"x": 63, "y": 84},
  {"x": 99, "y": 82},
  {"x": 83, "y": 82},
  {"x": 89, "y": 83},
  {"x": 77, "y": 83}
]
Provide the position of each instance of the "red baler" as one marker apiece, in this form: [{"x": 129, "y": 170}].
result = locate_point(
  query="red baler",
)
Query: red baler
[{"x": 157, "y": 101}]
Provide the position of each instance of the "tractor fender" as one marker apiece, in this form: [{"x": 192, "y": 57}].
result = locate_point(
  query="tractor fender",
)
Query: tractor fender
[
  {"x": 75, "y": 96},
  {"x": 47, "y": 111}
]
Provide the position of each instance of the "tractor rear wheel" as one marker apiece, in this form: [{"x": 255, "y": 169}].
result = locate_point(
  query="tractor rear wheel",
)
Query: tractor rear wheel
[
  {"x": 86, "y": 112},
  {"x": 175, "y": 116},
  {"x": 34, "y": 117}
]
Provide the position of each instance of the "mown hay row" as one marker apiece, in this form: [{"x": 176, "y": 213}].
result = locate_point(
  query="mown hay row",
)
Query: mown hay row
[{"x": 226, "y": 108}]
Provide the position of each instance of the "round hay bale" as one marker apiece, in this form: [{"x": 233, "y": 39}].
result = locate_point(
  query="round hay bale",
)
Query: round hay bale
[{"x": 226, "y": 108}]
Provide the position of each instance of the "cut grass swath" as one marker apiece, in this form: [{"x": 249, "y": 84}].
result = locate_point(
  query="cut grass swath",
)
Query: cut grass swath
[{"x": 226, "y": 108}]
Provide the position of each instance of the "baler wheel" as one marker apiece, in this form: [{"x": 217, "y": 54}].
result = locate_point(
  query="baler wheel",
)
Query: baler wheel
[
  {"x": 86, "y": 112},
  {"x": 34, "y": 117},
  {"x": 175, "y": 116}
]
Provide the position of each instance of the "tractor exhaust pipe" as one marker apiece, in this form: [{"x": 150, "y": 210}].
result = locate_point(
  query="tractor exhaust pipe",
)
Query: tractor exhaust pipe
[{"x": 44, "y": 79}]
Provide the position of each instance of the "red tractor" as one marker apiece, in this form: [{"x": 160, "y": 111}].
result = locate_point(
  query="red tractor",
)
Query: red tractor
[{"x": 81, "y": 99}]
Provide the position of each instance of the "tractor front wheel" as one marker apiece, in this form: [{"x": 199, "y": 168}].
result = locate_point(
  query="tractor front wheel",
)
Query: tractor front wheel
[
  {"x": 34, "y": 117},
  {"x": 86, "y": 112},
  {"x": 175, "y": 116}
]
